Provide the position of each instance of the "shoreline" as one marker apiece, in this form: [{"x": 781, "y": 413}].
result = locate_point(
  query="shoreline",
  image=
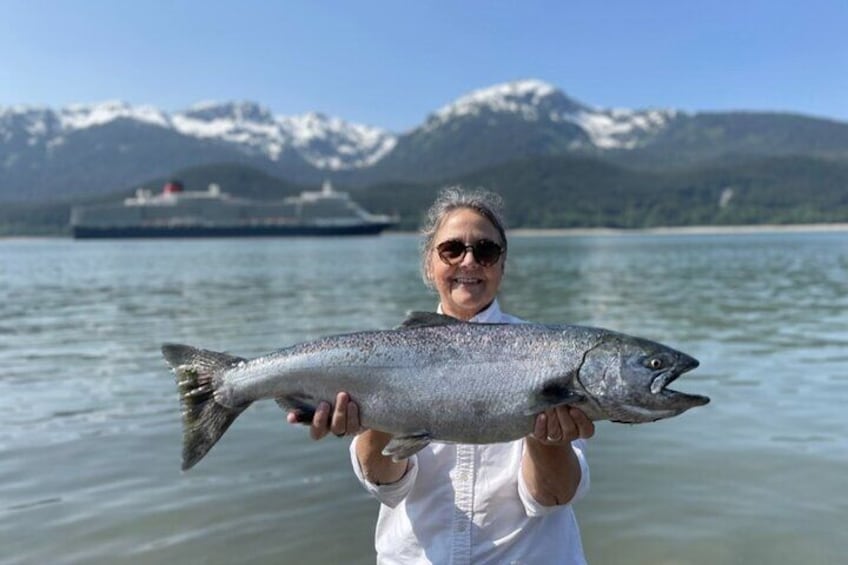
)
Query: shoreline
[
  {"x": 542, "y": 232},
  {"x": 684, "y": 230}
]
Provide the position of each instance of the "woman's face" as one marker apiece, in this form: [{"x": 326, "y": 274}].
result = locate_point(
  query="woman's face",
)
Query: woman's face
[{"x": 467, "y": 287}]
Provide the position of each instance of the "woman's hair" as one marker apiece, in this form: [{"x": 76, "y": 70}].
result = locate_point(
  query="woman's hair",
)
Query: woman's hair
[{"x": 486, "y": 203}]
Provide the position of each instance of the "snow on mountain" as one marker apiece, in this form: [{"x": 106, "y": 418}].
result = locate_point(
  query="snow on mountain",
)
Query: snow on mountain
[
  {"x": 520, "y": 97},
  {"x": 327, "y": 143},
  {"x": 23, "y": 121},
  {"x": 535, "y": 100},
  {"x": 82, "y": 116},
  {"x": 355, "y": 145},
  {"x": 242, "y": 123},
  {"x": 620, "y": 128}
]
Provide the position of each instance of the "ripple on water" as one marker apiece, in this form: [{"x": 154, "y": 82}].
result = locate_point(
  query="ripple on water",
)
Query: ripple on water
[{"x": 89, "y": 417}]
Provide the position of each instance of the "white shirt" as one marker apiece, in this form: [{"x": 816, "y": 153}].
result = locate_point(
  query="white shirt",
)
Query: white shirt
[{"x": 461, "y": 504}]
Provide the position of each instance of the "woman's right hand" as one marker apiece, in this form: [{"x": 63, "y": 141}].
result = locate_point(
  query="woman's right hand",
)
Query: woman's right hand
[{"x": 341, "y": 419}]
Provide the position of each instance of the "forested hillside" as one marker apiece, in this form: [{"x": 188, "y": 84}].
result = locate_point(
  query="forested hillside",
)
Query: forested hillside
[{"x": 553, "y": 192}]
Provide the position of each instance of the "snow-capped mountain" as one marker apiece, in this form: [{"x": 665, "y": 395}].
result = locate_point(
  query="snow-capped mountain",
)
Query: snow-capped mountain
[
  {"x": 98, "y": 148},
  {"x": 331, "y": 143},
  {"x": 83, "y": 116},
  {"x": 324, "y": 142},
  {"x": 517, "y": 120},
  {"x": 538, "y": 101}
]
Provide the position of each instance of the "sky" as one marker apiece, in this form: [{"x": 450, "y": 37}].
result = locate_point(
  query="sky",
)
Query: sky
[{"x": 390, "y": 64}]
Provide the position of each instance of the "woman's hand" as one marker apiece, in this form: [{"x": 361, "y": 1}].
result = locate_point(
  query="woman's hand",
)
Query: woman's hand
[
  {"x": 550, "y": 466},
  {"x": 562, "y": 425},
  {"x": 341, "y": 419}
]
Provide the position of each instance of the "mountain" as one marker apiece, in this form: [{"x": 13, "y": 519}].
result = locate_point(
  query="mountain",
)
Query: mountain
[
  {"x": 532, "y": 118},
  {"x": 322, "y": 141},
  {"x": 515, "y": 120},
  {"x": 731, "y": 136},
  {"x": 48, "y": 154},
  {"x": 91, "y": 149}
]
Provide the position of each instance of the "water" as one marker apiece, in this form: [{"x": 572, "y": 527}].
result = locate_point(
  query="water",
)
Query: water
[{"x": 89, "y": 417}]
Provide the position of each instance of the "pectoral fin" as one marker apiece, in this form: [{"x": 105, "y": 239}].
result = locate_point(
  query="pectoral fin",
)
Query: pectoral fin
[
  {"x": 552, "y": 395},
  {"x": 402, "y": 447},
  {"x": 303, "y": 406}
]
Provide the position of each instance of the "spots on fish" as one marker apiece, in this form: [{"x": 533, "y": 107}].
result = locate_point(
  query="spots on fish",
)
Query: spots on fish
[{"x": 479, "y": 408}]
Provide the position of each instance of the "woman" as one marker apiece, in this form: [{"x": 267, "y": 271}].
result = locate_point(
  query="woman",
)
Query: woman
[{"x": 455, "y": 503}]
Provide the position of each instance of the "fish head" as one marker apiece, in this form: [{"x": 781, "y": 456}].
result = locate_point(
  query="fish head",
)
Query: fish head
[{"x": 627, "y": 380}]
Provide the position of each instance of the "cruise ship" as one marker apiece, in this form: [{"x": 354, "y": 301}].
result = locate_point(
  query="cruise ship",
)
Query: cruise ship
[{"x": 176, "y": 212}]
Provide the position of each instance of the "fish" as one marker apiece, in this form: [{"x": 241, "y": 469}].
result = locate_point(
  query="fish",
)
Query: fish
[{"x": 435, "y": 378}]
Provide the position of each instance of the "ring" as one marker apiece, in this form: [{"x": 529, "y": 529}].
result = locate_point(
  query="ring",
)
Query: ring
[
  {"x": 338, "y": 435},
  {"x": 549, "y": 438}
]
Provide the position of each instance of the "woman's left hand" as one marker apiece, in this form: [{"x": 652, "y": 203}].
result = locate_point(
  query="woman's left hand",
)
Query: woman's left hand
[
  {"x": 562, "y": 425},
  {"x": 341, "y": 419}
]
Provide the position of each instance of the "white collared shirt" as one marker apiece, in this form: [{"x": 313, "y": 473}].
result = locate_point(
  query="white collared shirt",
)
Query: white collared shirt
[{"x": 461, "y": 504}]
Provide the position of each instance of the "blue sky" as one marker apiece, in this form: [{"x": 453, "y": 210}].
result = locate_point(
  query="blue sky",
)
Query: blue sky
[{"x": 389, "y": 64}]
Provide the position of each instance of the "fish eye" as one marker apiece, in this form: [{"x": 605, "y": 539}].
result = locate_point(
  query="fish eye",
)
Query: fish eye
[{"x": 655, "y": 363}]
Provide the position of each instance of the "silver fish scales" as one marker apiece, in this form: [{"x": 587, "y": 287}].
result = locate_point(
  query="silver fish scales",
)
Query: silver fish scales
[{"x": 438, "y": 379}]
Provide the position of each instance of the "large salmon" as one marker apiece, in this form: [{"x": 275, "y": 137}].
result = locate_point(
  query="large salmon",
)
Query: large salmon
[{"x": 438, "y": 379}]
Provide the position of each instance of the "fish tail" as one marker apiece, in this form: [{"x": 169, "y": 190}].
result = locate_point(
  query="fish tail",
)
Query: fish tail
[{"x": 199, "y": 374}]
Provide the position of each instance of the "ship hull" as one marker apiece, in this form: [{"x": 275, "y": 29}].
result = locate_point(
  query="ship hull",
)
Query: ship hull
[
  {"x": 139, "y": 232},
  {"x": 177, "y": 213}
]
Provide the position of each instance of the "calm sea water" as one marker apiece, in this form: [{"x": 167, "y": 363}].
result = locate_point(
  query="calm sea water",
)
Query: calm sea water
[{"x": 89, "y": 416}]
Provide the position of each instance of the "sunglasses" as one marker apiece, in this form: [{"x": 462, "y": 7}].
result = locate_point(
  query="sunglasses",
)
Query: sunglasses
[{"x": 486, "y": 252}]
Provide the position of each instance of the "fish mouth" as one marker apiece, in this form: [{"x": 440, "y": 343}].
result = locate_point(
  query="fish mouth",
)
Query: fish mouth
[{"x": 660, "y": 384}]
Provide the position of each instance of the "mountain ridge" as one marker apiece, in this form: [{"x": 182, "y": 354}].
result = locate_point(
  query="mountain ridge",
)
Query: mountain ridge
[{"x": 87, "y": 149}]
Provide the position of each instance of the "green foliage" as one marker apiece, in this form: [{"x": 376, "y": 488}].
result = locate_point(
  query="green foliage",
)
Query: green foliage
[
  {"x": 555, "y": 192},
  {"x": 234, "y": 178},
  {"x": 568, "y": 192},
  {"x": 34, "y": 219}
]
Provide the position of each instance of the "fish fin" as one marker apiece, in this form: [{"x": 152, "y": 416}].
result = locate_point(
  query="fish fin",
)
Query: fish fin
[
  {"x": 426, "y": 319},
  {"x": 551, "y": 395},
  {"x": 405, "y": 446},
  {"x": 304, "y": 410},
  {"x": 198, "y": 374}
]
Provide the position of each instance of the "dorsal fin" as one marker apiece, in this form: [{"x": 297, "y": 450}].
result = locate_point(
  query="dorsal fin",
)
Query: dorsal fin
[{"x": 427, "y": 319}]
